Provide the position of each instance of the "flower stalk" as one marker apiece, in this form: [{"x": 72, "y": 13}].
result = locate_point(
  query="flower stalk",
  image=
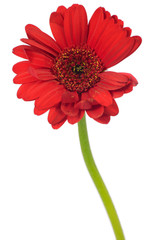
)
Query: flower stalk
[{"x": 97, "y": 179}]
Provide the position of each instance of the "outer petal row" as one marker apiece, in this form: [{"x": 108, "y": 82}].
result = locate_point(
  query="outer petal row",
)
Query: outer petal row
[
  {"x": 35, "y": 57},
  {"x": 117, "y": 83},
  {"x": 42, "y": 38},
  {"x": 110, "y": 40},
  {"x": 69, "y": 26}
]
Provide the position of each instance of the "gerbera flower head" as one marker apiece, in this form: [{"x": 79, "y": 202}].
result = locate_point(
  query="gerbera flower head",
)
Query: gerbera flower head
[{"x": 68, "y": 75}]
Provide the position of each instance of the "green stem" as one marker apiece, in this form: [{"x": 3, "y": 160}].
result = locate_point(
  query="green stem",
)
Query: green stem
[{"x": 97, "y": 179}]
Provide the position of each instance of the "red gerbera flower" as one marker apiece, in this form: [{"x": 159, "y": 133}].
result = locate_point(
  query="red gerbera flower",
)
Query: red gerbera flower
[{"x": 67, "y": 75}]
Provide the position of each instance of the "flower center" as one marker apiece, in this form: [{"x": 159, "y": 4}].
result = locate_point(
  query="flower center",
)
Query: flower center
[{"x": 77, "y": 68}]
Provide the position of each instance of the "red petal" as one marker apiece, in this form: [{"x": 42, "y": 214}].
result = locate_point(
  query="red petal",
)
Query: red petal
[
  {"x": 131, "y": 78},
  {"x": 24, "y": 91},
  {"x": 105, "y": 30},
  {"x": 132, "y": 81},
  {"x": 137, "y": 42},
  {"x": 40, "y": 46},
  {"x": 111, "y": 110},
  {"x": 68, "y": 109},
  {"x": 61, "y": 9},
  {"x": 43, "y": 74},
  {"x": 107, "y": 15},
  {"x": 58, "y": 125},
  {"x": 20, "y": 51},
  {"x": 86, "y": 97},
  {"x": 104, "y": 119},
  {"x": 101, "y": 96},
  {"x": 112, "y": 80},
  {"x": 112, "y": 35},
  {"x": 70, "y": 97},
  {"x": 75, "y": 25},
  {"x": 56, "y": 116},
  {"x": 128, "y": 89},
  {"x": 128, "y": 30},
  {"x": 50, "y": 98},
  {"x": 36, "y": 34},
  {"x": 24, "y": 77},
  {"x": 118, "y": 52},
  {"x": 96, "y": 111},
  {"x": 95, "y": 25},
  {"x": 39, "y": 59},
  {"x": 68, "y": 25},
  {"x": 117, "y": 21},
  {"x": 75, "y": 119},
  {"x": 117, "y": 93},
  {"x": 32, "y": 91},
  {"x": 39, "y": 112},
  {"x": 21, "y": 67},
  {"x": 56, "y": 24},
  {"x": 83, "y": 104},
  {"x": 80, "y": 25},
  {"x": 120, "y": 92}
]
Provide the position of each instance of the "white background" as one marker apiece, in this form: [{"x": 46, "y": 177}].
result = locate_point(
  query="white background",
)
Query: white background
[{"x": 45, "y": 190}]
